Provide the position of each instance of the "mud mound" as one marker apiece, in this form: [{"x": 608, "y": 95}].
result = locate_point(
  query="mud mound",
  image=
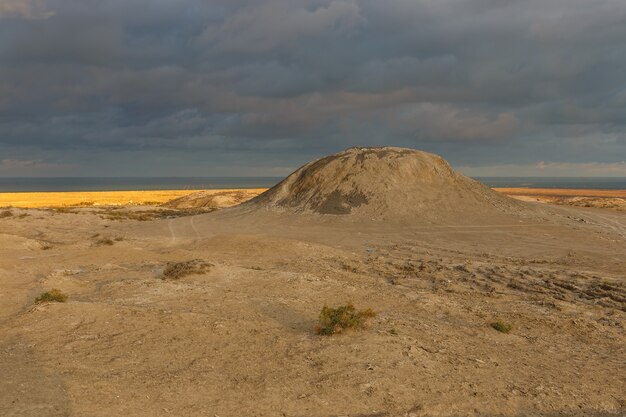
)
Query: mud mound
[
  {"x": 386, "y": 183},
  {"x": 211, "y": 199}
]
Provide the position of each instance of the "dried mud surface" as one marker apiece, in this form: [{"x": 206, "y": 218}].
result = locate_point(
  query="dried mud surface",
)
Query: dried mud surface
[
  {"x": 213, "y": 199},
  {"x": 611, "y": 203},
  {"x": 234, "y": 334}
]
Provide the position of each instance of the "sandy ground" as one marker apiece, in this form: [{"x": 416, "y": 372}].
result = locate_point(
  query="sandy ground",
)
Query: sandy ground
[
  {"x": 606, "y": 199},
  {"x": 238, "y": 339},
  {"x": 562, "y": 192}
]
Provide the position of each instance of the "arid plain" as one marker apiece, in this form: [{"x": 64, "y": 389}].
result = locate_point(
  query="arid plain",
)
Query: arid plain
[{"x": 438, "y": 257}]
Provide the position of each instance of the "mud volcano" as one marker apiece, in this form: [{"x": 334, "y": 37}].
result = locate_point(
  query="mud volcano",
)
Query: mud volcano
[{"x": 386, "y": 183}]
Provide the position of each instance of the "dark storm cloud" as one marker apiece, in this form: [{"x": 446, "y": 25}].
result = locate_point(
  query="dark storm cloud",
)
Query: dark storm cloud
[{"x": 277, "y": 82}]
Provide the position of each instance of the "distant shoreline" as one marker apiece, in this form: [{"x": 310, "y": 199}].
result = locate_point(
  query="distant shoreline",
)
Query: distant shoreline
[
  {"x": 118, "y": 184},
  {"x": 155, "y": 197}
]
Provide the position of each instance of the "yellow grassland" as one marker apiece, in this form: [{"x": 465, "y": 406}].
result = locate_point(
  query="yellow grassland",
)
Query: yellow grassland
[{"x": 88, "y": 198}]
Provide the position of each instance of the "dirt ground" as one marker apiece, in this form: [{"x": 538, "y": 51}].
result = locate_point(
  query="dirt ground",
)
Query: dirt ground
[
  {"x": 563, "y": 192},
  {"x": 238, "y": 339},
  {"x": 606, "y": 199}
]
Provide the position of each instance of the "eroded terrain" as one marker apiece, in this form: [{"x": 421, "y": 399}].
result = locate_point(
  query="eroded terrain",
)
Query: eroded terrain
[{"x": 237, "y": 338}]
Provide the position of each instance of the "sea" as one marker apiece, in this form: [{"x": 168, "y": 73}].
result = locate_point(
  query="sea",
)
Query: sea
[
  {"x": 50, "y": 184},
  {"x": 593, "y": 183}
]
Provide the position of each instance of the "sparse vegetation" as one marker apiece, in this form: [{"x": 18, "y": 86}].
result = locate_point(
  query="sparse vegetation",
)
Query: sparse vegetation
[
  {"x": 147, "y": 215},
  {"x": 128, "y": 215},
  {"x": 339, "y": 319},
  {"x": 501, "y": 326},
  {"x": 105, "y": 241},
  {"x": 54, "y": 295},
  {"x": 6, "y": 213},
  {"x": 176, "y": 270},
  {"x": 63, "y": 210}
]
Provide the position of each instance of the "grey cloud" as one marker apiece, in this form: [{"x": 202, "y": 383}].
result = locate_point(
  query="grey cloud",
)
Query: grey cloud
[
  {"x": 399, "y": 72},
  {"x": 450, "y": 123},
  {"x": 274, "y": 79},
  {"x": 480, "y": 81},
  {"x": 24, "y": 9},
  {"x": 265, "y": 26}
]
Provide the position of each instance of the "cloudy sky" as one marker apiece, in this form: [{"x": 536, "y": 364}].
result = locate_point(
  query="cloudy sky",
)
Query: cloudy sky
[{"x": 258, "y": 87}]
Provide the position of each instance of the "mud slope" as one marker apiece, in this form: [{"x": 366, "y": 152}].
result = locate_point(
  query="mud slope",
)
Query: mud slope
[{"x": 212, "y": 199}]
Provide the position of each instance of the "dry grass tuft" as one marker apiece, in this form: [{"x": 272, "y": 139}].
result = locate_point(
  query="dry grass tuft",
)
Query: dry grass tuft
[
  {"x": 6, "y": 213},
  {"x": 336, "y": 320},
  {"x": 176, "y": 270},
  {"x": 53, "y": 295},
  {"x": 501, "y": 326},
  {"x": 147, "y": 215},
  {"x": 105, "y": 241},
  {"x": 65, "y": 210}
]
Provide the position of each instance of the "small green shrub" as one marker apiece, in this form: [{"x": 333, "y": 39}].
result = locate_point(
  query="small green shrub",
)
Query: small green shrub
[
  {"x": 336, "y": 320},
  {"x": 53, "y": 295},
  {"x": 175, "y": 270},
  {"x": 105, "y": 241},
  {"x": 501, "y": 326}
]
